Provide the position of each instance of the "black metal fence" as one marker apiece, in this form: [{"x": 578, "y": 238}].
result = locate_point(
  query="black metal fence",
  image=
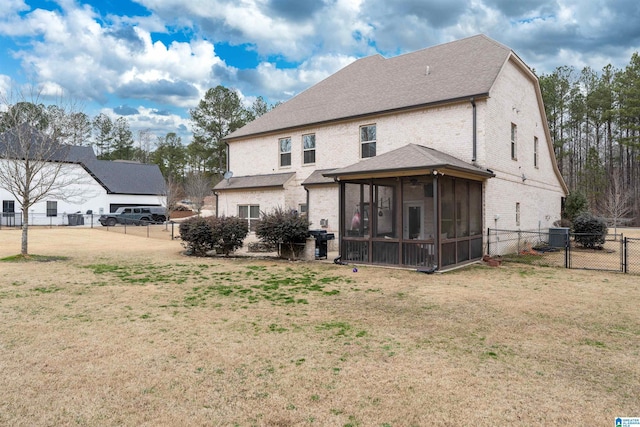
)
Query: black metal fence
[
  {"x": 561, "y": 248},
  {"x": 78, "y": 220}
]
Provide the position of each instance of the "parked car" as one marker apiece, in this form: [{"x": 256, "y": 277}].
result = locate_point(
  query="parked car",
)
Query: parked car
[{"x": 136, "y": 215}]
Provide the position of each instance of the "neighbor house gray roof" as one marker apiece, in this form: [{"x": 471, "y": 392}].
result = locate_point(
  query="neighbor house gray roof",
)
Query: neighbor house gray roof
[
  {"x": 115, "y": 177},
  {"x": 254, "y": 181},
  {"x": 408, "y": 158},
  {"x": 456, "y": 70},
  {"x": 127, "y": 177}
]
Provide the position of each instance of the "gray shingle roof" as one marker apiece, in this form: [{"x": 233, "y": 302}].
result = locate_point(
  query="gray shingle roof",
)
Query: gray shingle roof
[
  {"x": 318, "y": 178},
  {"x": 126, "y": 177},
  {"x": 450, "y": 71},
  {"x": 406, "y": 158},
  {"x": 254, "y": 181}
]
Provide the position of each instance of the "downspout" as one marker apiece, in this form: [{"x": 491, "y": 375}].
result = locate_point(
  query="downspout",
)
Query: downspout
[
  {"x": 308, "y": 212},
  {"x": 475, "y": 130}
]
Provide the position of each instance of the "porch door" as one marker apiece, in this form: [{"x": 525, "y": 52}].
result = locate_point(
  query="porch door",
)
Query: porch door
[{"x": 413, "y": 220}]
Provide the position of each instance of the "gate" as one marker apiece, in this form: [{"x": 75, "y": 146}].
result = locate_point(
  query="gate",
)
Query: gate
[
  {"x": 607, "y": 256},
  {"x": 631, "y": 256}
]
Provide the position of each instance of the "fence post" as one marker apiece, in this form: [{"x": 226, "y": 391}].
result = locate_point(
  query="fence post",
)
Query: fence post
[
  {"x": 567, "y": 249},
  {"x": 625, "y": 254},
  {"x": 488, "y": 241}
]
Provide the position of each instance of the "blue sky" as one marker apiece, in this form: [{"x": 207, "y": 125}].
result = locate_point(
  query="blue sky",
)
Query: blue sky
[{"x": 152, "y": 60}]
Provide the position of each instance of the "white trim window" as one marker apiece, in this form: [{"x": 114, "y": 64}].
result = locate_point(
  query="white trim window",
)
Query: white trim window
[
  {"x": 284, "y": 145},
  {"x": 52, "y": 208},
  {"x": 309, "y": 148},
  {"x": 368, "y": 141},
  {"x": 251, "y": 213}
]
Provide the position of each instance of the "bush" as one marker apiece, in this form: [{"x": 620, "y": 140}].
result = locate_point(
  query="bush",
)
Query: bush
[
  {"x": 590, "y": 231},
  {"x": 282, "y": 227},
  {"x": 228, "y": 233},
  {"x": 201, "y": 235},
  {"x": 197, "y": 236},
  {"x": 574, "y": 205}
]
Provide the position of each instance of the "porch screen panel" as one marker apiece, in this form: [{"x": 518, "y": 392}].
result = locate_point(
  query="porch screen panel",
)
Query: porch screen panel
[
  {"x": 475, "y": 209},
  {"x": 448, "y": 209},
  {"x": 385, "y": 215},
  {"x": 462, "y": 208},
  {"x": 357, "y": 210}
]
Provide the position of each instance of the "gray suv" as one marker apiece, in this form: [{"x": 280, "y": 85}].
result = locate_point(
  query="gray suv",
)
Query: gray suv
[{"x": 136, "y": 215}]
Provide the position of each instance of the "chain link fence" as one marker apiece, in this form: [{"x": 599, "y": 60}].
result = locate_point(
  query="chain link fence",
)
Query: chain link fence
[
  {"x": 165, "y": 230},
  {"x": 560, "y": 248},
  {"x": 632, "y": 255}
]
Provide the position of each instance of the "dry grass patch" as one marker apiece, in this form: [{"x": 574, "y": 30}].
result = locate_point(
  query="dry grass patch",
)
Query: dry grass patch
[{"x": 154, "y": 338}]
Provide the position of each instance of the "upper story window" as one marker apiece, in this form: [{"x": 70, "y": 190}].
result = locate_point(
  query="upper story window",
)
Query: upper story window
[
  {"x": 514, "y": 141},
  {"x": 309, "y": 148},
  {"x": 535, "y": 151},
  {"x": 368, "y": 141},
  {"x": 285, "y": 151}
]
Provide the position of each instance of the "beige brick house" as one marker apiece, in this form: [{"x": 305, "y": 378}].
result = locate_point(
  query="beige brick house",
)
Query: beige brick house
[{"x": 408, "y": 159}]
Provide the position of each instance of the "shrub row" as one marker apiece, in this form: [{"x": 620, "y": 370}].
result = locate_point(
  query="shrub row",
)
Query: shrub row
[
  {"x": 222, "y": 234},
  {"x": 226, "y": 234}
]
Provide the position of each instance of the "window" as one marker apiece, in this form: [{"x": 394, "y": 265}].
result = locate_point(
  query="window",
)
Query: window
[
  {"x": 8, "y": 206},
  {"x": 514, "y": 140},
  {"x": 285, "y": 151},
  {"x": 518, "y": 214},
  {"x": 302, "y": 209},
  {"x": 309, "y": 148},
  {"x": 368, "y": 141},
  {"x": 535, "y": 151},
  {"x": 251, "y": 213},
  {"x": 52, "y": 208}
]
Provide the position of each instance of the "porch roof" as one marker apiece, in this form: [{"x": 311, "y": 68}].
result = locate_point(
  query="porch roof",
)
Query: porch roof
[
  {"x": 409, "y": 160},
  {"x": 254, "y": 181},
  {"x": 318, "y": 178}
]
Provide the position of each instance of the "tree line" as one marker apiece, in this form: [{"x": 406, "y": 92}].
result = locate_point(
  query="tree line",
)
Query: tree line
[{"x": 594, "y": 120}]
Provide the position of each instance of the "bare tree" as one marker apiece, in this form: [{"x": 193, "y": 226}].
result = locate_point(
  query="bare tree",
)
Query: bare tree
[
  {"x": 616, "y": 204},
  {"x": 34, "y": 163},
  {"x": 197, "y": 186},
  {"x": 172, "y": 194}
]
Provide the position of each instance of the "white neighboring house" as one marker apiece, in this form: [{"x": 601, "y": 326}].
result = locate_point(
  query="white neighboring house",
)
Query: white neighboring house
[
  {"x": 408, "y": 160},
  {"x": 100, "y": 186}
]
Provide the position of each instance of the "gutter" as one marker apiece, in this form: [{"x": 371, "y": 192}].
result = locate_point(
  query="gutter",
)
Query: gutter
[{"x": 475, "y": 130}]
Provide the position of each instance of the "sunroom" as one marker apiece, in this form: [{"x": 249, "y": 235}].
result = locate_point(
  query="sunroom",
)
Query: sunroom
[{"x": 411, "y": 207}]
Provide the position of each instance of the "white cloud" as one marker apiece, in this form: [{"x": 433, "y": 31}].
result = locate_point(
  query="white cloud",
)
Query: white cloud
[
  {"x": 75, "y": 51},
  {"x": 281, "y": 84}
]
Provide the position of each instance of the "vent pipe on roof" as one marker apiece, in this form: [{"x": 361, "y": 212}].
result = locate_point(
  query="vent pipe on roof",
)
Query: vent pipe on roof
[
  {"x": 428, "y": 71},
  {"x": 475, "y": 132}
]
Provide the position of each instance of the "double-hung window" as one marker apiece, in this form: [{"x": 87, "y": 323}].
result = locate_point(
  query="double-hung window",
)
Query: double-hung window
[
  {"x": 52, "y": 208},
  {"x": 367, "y": 141},
  {"x": 251, "y": 213},
  {"x": 285, "y": 151},
  {"x": 309, "y": 148}
]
